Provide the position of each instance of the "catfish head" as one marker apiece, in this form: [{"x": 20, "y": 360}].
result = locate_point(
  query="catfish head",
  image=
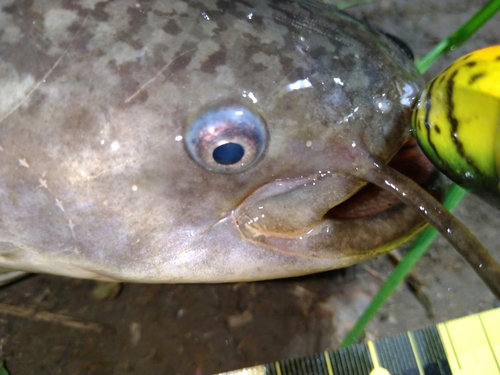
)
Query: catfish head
[{"x": 202, "y": 142}]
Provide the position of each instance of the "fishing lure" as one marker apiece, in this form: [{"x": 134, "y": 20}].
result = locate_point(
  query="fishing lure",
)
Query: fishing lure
[{"x": 456, "y": 122}]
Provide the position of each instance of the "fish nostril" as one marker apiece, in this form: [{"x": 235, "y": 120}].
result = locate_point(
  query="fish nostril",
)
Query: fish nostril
[{"x": 226, "y": 138}]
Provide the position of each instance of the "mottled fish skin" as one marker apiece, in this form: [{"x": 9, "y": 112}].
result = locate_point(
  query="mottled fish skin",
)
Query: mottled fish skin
[{"x": 95, "y": 99}]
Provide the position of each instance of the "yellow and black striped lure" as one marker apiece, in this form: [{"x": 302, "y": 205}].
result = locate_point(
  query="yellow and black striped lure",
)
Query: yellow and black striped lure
[{"x": 457, "y": 122}]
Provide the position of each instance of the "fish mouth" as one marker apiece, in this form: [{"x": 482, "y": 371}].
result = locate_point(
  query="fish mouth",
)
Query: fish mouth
[
  {"x": 372, "y": 200},
  {"x": 338, "y": 216}
]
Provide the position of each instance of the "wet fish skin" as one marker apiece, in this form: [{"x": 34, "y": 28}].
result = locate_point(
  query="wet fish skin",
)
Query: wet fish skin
[{"x": 95, "y": 100}]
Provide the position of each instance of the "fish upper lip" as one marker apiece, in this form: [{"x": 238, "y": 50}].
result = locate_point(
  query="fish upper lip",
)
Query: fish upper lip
[{"x": 290, "y": 207}]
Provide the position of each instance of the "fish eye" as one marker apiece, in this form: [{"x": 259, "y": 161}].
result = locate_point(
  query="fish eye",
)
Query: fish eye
[{"x": 226, "y": 139}]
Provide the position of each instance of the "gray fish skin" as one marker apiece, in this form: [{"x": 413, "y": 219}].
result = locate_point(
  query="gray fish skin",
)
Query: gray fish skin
[{"x": 95, "y": 100}]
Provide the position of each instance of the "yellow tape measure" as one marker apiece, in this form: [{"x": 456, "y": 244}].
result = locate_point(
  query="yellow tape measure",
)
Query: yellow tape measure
[{"x": 465, "y": 346}]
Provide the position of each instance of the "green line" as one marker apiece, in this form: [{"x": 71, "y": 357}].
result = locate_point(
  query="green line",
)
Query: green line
[
  {"x": 459, "y": 37},
  {"x": 3, "y": 370}
]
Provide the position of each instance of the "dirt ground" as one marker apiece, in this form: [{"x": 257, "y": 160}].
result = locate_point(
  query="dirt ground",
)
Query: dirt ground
[{"x": 203, "y": 329}]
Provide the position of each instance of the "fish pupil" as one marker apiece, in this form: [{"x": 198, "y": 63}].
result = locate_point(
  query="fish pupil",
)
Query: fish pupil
[{"x": 228, "y": 153}]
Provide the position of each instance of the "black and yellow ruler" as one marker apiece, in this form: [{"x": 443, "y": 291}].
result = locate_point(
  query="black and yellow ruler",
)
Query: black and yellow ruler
[{"x": 465, "y": 346}]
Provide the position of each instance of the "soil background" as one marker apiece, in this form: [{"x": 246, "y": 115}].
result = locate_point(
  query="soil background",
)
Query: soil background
[{"x": 203, "y": 329}]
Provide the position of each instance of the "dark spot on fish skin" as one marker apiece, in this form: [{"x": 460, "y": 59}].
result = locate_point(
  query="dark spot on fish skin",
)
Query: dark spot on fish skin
[
  {"x": 14, "y": 9},
  {"x": 245, "y": 3},
  {"x": 437, "y": 128},
  {"x": 196, "y": 6},
  {"x": 76, "y": 8},
  {"x": 99, "y": 52},
  {"x": 497, "y": 58},
  {"x": 140, "y": 98},
  {"x": 467, "y": 57},
  {"x": 98, "y": 13},
  {"x": 475, "y": 77},
  {"x": 276, "y": 4},
  {"x": 182, "y": 58},
  {"x": 216, "y": 59},
  {"x": 164, "y": 14},
  {"x": 36, "y": 100},
  {"x": 238, "y": 9},
  {"x": 138, "y": 15},
  {"x": 288, "y": 67},
  {"x": 442, "y": 78},
  {"x": 172, "y": 28},
  {"x": 129, "y": 39},
  {"x": 258, "y": 67},
  {"x": 470, "y": 64},
  {"x": 221, "y": 24},
  {"x": 80, "y": 124},
  {"x": 129, "y": 69},
  {"x": 74, "y": 28},
  {"x": 34, "y": 45},
  {"x": 347, "y": 64},
  {"x": 318, "y": 52},
  {"x": 257, "y": 20},
  {"x": 251, "y": 45},
  {"x": 224, "y": 6},
  {"x": 158, "y": 59},
  {"x": 231, "y": 7},
  {"x": 82, "y": 40},
  {"x": 126, "y": 71}
]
